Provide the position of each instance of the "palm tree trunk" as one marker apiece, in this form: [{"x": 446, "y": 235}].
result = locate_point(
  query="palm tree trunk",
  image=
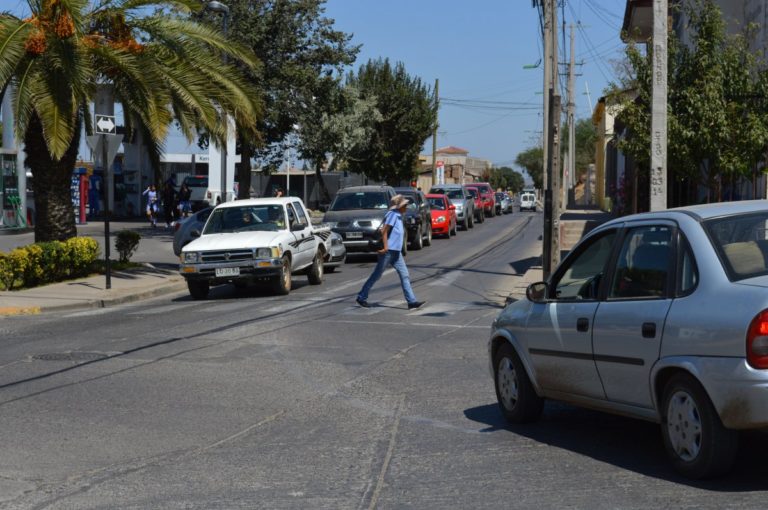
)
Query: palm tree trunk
[{"x": 54, "y": 213}]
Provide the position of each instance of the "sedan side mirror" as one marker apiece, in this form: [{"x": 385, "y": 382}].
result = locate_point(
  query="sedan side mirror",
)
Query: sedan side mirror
[
  {"x": 194, "y": 234},
  {"x": 537, "y": 292},
  {"x": 451, "y": 207}
]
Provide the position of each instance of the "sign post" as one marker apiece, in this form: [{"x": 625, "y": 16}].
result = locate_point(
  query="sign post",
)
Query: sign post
[{"x": 104, "y": 145}]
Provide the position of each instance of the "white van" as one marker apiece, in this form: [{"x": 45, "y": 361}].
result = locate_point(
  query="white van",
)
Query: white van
[{"x": 528, "y": 202}]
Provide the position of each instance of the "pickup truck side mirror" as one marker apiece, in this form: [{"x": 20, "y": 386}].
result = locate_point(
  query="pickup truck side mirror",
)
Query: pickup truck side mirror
[
  {"x": 297, "y": 227},
  {"x": 194, "y": 234}
]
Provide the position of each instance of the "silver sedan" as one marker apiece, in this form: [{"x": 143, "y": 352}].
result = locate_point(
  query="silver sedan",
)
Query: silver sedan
[{"x": 659, "y": 316}]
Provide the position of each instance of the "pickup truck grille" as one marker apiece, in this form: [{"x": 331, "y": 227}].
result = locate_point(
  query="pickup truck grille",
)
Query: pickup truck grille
[{"x": 227, "y": 255}]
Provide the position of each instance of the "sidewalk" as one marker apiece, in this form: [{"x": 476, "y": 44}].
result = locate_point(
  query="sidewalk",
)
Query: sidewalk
[{"x": 91, "y": 292}]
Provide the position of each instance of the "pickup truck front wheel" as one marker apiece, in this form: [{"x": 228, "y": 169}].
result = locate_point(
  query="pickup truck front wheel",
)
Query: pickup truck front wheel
[
  {"x": 198, "y": 289},
  {"x": 282, "y": 283},
  {"x": 315, "y": 274}
]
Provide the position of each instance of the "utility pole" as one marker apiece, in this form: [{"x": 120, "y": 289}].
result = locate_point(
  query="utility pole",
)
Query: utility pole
[
  {"x": 551, "y": 251},
  {"x": 547, "y": 37},
  {"x": 659, "y": 107},
  {"x": 571, "y": 168},
  {"x": 434, "y": 133}
]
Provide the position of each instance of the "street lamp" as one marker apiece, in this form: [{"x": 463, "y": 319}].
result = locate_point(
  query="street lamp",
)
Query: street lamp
[{"x": 216, "y": 6}]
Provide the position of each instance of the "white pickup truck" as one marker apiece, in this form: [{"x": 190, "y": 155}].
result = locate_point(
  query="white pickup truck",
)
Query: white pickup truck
[{"x": 261, "y": 239}]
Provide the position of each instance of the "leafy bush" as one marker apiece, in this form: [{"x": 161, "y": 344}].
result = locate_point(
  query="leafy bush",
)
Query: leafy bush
[
  {"x": 126, "y": 243},
  {"x": 36, "y": 264},
  {"x": 83, "y": 252}
]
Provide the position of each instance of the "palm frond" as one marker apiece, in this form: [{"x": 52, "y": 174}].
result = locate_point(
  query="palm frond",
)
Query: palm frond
[
  {"x": 13, "y": 35},
  {"x": 23, "y": 106},
  {"x": 56, "y": 108}
]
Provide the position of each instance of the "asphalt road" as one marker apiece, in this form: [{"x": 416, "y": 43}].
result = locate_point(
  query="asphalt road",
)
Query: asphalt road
[{"x": 248, "y": 400}]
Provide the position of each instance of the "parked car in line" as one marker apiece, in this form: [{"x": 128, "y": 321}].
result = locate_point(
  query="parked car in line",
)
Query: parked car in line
[
  {"x": 183, "y": 228},
  {"x": 479, "y": 207},
  {"x": 356, "y": 212},
  {"x": 259, "y": 239},
  {"x": 528, "y": 202},
  {"x": 503, "y": 203},
  {"x": 488, "y": 196},
  {"x": 661, "y": 316},
  {"x": 443, "y": 215},
  {"x": 461, "y": 198},
  {"x": 417, "y": 218}
]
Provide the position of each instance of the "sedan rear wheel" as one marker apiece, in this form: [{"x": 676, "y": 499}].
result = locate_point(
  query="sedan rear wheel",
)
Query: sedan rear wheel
[
  {"x": 417, "y": 243},
  {"x": 428, "y": 239},
  {"x": 517, "y": 399},
  {"x": 695, "y": 438}
]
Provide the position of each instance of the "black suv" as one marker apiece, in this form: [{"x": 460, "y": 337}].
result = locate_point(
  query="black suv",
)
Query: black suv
[
  {"x": 418, "y": 218},
  {"x": 356, "y": 212}
]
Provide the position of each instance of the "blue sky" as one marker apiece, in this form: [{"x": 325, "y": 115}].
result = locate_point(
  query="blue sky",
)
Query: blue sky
[{"x": 477, "y": 50}]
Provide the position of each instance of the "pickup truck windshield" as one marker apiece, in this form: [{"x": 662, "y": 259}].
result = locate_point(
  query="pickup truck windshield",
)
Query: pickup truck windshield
[
  {"x": 360, "y": 200},
  {"x": 452, "y": 193},
  {"x": 227, "y": 220}
]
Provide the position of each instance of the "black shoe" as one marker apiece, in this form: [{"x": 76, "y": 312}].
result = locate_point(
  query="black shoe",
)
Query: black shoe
[
  {"x": 363, "y": 303},
  {"x": 415, "y": 304}
]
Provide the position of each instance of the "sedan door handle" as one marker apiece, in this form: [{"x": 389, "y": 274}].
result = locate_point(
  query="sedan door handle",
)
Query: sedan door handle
[
  {"x": 582, "y": 324},
  {"x": 649, "y": 330}
]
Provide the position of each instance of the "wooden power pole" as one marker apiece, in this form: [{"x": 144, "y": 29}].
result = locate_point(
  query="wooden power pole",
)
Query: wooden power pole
[
  {"x": 551, "y": 248},
  {"x": 434, "y": 133}
]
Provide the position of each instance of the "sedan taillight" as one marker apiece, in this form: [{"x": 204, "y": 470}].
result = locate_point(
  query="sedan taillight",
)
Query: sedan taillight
[{"x": 757, "y": 341}]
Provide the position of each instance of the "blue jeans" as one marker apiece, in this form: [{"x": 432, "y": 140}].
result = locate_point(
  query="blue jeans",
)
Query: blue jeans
[{"x": 395, "y": 259}]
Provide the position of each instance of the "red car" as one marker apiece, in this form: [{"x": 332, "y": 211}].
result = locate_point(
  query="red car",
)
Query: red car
[
  {"x": 443, "y": 215},
  {"x": 479, "y": 202},
  {"x": 489, "y": 197}
]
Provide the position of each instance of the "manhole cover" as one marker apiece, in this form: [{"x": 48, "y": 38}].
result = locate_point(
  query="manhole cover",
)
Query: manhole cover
[{"x": 69, "y": 356}]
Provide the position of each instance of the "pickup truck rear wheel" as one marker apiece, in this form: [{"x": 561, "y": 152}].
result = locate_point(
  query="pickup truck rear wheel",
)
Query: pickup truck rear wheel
[
  {"x": 198, "y": 289},
  {"x": 282, "y": 283},
  {"x": 428, "y": 240},
  {"x": 315, "y": 274},
  {"x": 417, "y": 242}
]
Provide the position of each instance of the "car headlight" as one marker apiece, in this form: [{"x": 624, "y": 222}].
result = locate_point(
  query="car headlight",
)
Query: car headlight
[
  {"x": 263, "y": 253},
  {"x": 190, "y": 257},
  {"x": 335, "y": 241},
  {"x": 375, "y": 223},
  {"x": 459, "y": 207},
  {"x": 441, "y": 219},
  {"x": 332, "y": 224},
  {"x": 411, "y": 220}
]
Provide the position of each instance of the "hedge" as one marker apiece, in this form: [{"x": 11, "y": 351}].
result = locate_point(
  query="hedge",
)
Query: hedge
[{"x": 53, "y": 261}]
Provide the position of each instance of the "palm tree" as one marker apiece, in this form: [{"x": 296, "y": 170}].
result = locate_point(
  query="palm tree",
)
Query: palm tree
[{"x": 162, "y": 67}]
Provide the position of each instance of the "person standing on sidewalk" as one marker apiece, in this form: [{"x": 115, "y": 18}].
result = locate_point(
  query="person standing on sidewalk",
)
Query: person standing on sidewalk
[{"x": 393, "y": 234}]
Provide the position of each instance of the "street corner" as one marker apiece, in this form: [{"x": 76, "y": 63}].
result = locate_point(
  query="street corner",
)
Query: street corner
[{"x": 19, "y": 310}]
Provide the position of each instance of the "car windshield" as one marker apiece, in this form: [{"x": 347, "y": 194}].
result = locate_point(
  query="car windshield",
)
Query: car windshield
[
  {"x": 412, "y": 205},
  {"x": 500, "y": 196},
  {"x": 437, "y": 203},
  {"x": 742, "y": 243},
  {"x": 473, "y": 192},
  {"x": 196, "y": 181},
  {"x": 223, "y": 220},
  {"x": 359, "y": 200},
  {"x": 452, "y": 193}
]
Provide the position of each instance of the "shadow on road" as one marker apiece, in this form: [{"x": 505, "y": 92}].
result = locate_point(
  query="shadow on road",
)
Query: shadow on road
[{"x": 626, "y": 443}]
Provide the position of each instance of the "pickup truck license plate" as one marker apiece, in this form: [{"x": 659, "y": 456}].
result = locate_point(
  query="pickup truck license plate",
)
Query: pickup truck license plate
[
  {"x": 354, "y": 235},
  {"x": 227, "y": 271}
]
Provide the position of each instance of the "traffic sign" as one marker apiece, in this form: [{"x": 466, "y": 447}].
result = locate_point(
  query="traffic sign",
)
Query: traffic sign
[{"x": 105, "y": 124}]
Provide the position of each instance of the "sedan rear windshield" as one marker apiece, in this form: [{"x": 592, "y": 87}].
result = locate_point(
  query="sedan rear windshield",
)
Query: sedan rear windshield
[
  {"x": 742, "y": 244},
  {"x": 360, "y": 200}
]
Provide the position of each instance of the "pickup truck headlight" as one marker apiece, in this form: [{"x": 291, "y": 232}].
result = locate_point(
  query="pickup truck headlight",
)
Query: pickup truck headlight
[
  {"x": 190, "y": 257},
  {"x": 263, "y": 253}
]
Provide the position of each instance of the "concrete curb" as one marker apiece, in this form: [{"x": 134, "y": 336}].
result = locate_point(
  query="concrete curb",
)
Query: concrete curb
[{"x": 169, "y": 287}]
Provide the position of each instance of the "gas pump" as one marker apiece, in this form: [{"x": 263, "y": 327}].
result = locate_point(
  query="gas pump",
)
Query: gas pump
[
  {"x": 79, "y": 189},
  {"x": 12, "y": 214}
]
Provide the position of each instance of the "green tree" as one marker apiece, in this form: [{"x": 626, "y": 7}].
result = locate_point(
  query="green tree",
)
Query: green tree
[
  {"x": 161, "y": 66},
  {"x": 717, "y": 117},
  {"x": 300, "y": 52},
  {"x": 506, "y": 178},
  {"x": 531, "y": 160},
  {"x": 336, "y": 131},
  {"x": 408, "y": 115}
]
